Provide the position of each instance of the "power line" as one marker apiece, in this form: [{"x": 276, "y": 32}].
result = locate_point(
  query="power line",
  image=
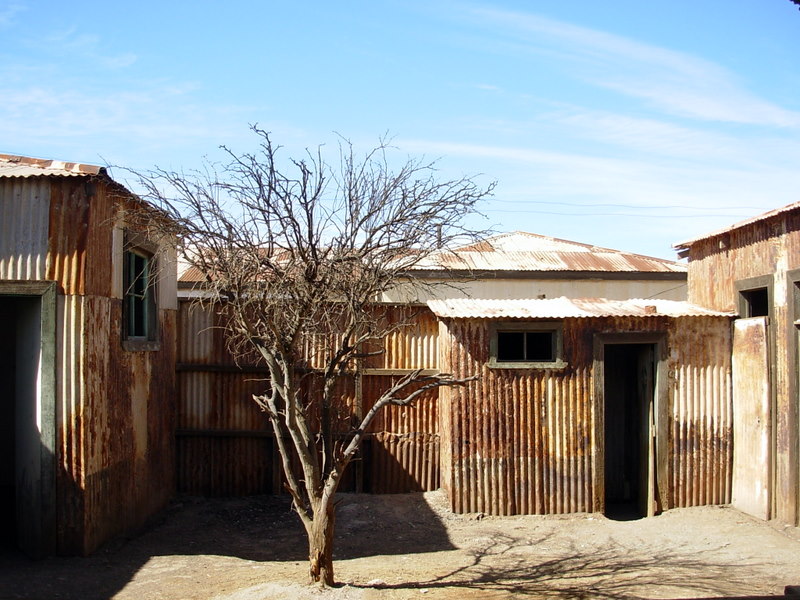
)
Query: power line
[
  {"x": 633, "y": 206},
  {"x": 616, "y": 214}
]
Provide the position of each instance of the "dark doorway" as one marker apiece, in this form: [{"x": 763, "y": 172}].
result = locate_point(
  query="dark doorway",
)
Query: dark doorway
[
  {"x": 27, "y": 417},
  {"x": 629, "y": 376},
  {"x": 8, "y": 369}
]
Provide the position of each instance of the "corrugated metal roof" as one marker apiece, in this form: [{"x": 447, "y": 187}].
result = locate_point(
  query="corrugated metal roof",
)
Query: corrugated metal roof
[
  {"x": 762, "y": 217},
  {"x": 521, "y": 251},
  {"x": 563, "y": 308},
  {"x": 25, "y": 166},
  {"x": 191, "y": 274}
]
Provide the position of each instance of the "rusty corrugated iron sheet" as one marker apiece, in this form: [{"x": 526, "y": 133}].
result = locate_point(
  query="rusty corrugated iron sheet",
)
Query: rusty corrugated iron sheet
[
  {"x": 516, "y": 442},
  {"x": 216, "y": 414},
  {"x": 58, "y": 228},
  {"x": 522, "y": 441},
  {"x": 563, "y": 308},
  {"x": 528, "y": 252},
  {"x": 116, "y": 409},
  {"x": 403, "y": 452},
  {"x": 763, "y": 252},
  {"x": 412, "y": 346},
  {"x": 117, "y": 426},
  {"x": 68, "y": 233},
  {"x": 789, "y": 208},
  {"x": 70, "y": 474},
  {"x": 225, "y": 465},
  {"x": 522, "y": 252},
  {"x": 702, "y": 412},
  {"x": 220, "y": 401},
  {"x": 24, "y": 227}
]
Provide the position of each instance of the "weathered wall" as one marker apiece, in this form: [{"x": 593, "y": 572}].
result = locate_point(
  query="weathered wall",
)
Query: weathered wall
[
  {"x": 524, "y": 441},
  {"x": 114, "y": 408},
  {"x": 225, "y": 444},
  {"x": 672, "y": 288},
  {"x": 24, "y": 218},
  {"x": 770, "y": 247}
]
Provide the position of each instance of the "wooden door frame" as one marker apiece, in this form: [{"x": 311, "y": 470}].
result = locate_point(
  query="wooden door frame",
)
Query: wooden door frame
[
  {"x": 793, "y": 358},
  {"x": 661, "y": 400}
]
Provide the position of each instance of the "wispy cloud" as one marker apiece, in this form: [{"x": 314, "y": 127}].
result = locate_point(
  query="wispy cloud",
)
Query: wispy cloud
[
  {"x": 72, "y": 41},
  {"x": 9, "y": 12},
  {"x": 629, "y": 181},
  {"x": 147, "y": 119},
  {"x": 666, "y": 140},
  {"x": 678, "y": 83}
]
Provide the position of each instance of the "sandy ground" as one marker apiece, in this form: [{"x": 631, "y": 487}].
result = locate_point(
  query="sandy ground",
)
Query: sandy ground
[{"x": 411, "y": 546}]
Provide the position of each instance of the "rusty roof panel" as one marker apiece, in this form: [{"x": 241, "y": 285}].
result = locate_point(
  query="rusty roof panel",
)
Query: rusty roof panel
[
  {"x": 762, "y": 217},
  {"x": 25, "y": 166},
  {"x": 564, "y": 308},
  {"x": 521, "y": 251}
]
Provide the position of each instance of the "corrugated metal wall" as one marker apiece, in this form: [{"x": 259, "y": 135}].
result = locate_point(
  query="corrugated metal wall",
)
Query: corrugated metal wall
[
  {"x": 523, "y": 441},
  {"x": 770, "y": 247},
  {"x": 24, "y": 227},
  {"x": 225, "y": 444},
  {"x": 515, "y": 441},
  {"x": 115, "y": 409},
  {"x": 701, "y": 410},
  {"x": 128, "y": 422},
  {"x": 519, "y": 442}
]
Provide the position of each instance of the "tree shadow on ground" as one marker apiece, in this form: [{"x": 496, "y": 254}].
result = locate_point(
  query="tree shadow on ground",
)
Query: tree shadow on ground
[
  {"x": 508, "y": 566},
  {"x": 498, "y": 564},
  {"x": 256, "y": 528}
]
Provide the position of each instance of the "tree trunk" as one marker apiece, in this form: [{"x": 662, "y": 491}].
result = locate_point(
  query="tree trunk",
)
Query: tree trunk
[{"x": 320, "y": 545}]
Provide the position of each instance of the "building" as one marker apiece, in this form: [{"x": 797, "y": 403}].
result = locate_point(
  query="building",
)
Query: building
[
  {"x": 753, "y": 269},
  {"x": 584, "y": 353},
  {"x": 88, "y": 306},
  {"x": 584, "y": 405},
  {"x": 527, "y": 265}
]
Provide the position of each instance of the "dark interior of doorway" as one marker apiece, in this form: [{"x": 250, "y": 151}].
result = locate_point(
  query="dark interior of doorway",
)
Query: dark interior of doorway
[
  {"x": 8, "y": 356},
  {"x": 628, "y": 375}
]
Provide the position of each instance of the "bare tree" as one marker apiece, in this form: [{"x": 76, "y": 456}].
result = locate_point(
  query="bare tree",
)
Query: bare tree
[{"x": 305, "y": 253}]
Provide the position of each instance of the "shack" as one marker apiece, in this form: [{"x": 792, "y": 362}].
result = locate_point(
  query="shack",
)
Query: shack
[
  {"x": 530, "y": 437},
  {"x": 88, "y": 306},
  {"x": 753, "y": 269},
  {"x": 584, "y": 405}
]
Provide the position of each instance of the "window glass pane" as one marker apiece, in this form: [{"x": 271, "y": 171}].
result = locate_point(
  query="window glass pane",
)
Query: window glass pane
[
  {"x": 510, "y": 345},
  {"x": 539, "y": 346},
  {"x": 139, "y": 275},
  {"x": 138, "y": 292}
]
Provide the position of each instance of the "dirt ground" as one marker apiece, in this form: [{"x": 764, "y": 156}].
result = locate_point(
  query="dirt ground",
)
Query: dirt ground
[{"x": 411, "y": 546}]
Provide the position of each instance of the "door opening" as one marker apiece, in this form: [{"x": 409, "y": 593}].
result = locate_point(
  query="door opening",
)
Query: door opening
[
  {"x": 8, "y": 369},
  {"x": 629, "y": 422},
  {"x": 27, "y": 418}
]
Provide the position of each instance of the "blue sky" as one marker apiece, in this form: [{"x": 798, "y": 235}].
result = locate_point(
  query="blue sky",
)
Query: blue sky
[{"x": 625, "y": 124}]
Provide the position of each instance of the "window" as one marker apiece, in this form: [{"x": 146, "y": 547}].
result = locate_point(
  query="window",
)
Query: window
[
  {"x": 139, "y": 311},
  {"x": 756, "y": 303},
  {"x": 754, "y": 296},
  {"x": 526, "y": 345}
]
